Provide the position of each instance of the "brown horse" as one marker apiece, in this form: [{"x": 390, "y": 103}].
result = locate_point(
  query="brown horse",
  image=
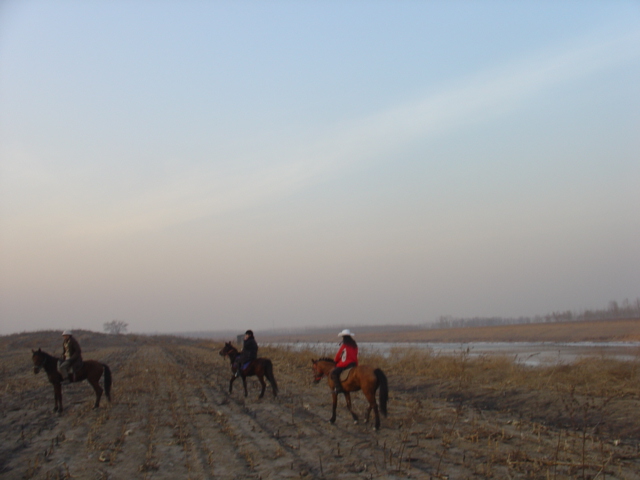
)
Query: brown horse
[
  {"x": 362, "y": 377},
  {"x": 260, "y": 367},
  {"x": 90, "y": 371}
]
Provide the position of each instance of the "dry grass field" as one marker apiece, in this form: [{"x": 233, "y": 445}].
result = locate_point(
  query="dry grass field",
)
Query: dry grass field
[{"x": 450, "y": 417}]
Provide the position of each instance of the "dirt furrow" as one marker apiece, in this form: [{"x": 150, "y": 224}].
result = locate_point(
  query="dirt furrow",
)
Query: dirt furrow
[
  {"x": 299, "y": 433},
  {"x": 206, "y": 429},
  {"x": 172, "y": 417},
  {"x": 257, "y": 439}
]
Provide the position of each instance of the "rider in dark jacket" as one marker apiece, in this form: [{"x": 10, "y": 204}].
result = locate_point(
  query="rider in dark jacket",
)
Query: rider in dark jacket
[
  {"x": 249, "y": 351},
  {"x": 71, "y": 356}
]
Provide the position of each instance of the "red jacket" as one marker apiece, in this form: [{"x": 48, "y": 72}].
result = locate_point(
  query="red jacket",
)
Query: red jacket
[{"x": 346, "y": 355}]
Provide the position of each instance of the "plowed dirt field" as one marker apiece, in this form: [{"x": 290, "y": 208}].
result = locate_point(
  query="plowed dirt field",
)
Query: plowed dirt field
[{"x": 172, "y": 417}]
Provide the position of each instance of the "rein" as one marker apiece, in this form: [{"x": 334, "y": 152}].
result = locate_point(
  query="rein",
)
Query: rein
[
  {"x": 322, "y": 373},
  {"x": 46, "y": 363},
  {"x": 232, "y": 353}
]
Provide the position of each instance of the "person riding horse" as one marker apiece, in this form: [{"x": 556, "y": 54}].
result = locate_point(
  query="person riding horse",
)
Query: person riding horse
[
  {"x": 346, "y": 357},
  {"x": 249, "y": 352},
  {"x": 71, "y": 356}
]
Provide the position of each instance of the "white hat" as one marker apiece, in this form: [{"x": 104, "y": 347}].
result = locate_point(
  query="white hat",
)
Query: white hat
[
  {"x": 346, "y": 332},
  {"x": 67, "y": 332}
]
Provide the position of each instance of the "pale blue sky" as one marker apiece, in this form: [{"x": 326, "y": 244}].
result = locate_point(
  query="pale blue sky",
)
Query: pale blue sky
[{"x": 215, "y": 165}]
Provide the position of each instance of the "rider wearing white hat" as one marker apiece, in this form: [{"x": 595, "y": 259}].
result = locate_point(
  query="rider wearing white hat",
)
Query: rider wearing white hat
[
  {"x": 71, "y": 356},
  {"x": 346, "y": 357}
]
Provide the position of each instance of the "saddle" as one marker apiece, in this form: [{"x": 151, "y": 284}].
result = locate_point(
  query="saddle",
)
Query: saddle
[
  {"x": 345, "y": 373},
  {"x": 74, "y": 367},
  {"x": 244, "y": 366}
]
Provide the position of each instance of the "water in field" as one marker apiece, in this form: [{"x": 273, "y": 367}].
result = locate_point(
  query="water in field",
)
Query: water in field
[{"x": 528, "y": 353}]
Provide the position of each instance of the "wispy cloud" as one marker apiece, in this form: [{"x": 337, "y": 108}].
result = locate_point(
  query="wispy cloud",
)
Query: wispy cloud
[{"x": 203, "y": 191}]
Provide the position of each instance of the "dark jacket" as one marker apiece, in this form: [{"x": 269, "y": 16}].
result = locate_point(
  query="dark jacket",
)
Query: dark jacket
[
  {"x": 71, "y": 350},
  {"x": 249, "y": 350}
]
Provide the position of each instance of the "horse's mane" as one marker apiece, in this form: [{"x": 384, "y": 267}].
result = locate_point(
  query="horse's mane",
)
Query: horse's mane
[
  {"x": 47, "y": 361},
  {"x": 326, "y": 359},
  {"x": 44, "y": 354}
]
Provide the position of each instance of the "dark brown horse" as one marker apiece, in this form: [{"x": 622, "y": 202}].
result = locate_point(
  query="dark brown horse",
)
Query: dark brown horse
[
  {"x": 90, "y": 371},
  {"x": 362, "y": 377},
  {"x": 260, "y": 367}
]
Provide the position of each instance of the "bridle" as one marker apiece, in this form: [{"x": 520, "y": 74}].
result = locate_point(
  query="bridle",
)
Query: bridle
[
  {"x": 317, "y": 375},
  {"x": 42, "y": 364},
  {"x": 227, "y": 352}
]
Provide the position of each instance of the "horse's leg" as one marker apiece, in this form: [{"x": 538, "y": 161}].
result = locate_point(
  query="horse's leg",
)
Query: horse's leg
[
  {"x": 244, "y": 384},
  {"x": 262, "y": 383},
  {"x": 376, "y": 414},
  {"x": 57, "y": 396},
  {"x": 272, "y": 379},
  {"x": 368, "y": 397},
  {"x": 366, "y": 418},
  {"x": 97, "y": 388},
  {"x": 371, "y": 398},
  {"x": 335, "y": 404},
  {"x": 233, "y": 378},
  {"x": 347, "y": 397}
]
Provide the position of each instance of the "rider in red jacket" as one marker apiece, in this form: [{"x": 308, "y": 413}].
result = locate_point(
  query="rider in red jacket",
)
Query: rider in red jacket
[{"x": 346, "y": 357}]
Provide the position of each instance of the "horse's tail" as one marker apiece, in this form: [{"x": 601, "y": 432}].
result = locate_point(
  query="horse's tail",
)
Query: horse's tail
[
  {"x": 107, "y": 381},
  {"x": 384, "y": 390},
  {"x": 272, "y": 380}
]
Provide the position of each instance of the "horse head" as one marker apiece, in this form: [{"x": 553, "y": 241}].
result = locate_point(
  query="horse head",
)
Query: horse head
[
  {"x": 227, "y": 349},
  {"x": 318, "y": 372},
  {"x": 38, "y": 360}
]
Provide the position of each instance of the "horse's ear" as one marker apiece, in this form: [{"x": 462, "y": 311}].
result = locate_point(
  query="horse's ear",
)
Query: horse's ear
[{"x": 39, "y": 349}]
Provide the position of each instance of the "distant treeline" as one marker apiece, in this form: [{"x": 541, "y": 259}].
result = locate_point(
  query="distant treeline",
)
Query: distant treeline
[{"x": 612, "y": 312}]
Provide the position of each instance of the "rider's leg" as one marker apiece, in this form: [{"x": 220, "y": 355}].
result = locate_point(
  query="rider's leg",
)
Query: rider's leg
[
  {"x": 335, "y": 376},
  {"x": 64, "y": 370},
  {"x": 238, "y": 365}
]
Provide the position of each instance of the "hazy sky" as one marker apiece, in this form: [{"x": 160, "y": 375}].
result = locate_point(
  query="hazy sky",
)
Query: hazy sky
[{"x": 228, "y": 165}]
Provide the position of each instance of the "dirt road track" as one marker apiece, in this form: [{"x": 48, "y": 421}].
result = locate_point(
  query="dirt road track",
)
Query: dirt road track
[{"x": 172, "y": 417}]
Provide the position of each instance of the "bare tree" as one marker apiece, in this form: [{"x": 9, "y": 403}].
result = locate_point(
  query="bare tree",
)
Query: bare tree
[{"x": 115, "y": 327}]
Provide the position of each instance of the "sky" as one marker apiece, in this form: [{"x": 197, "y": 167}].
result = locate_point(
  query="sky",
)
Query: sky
[{"x": 191, "y": 165}]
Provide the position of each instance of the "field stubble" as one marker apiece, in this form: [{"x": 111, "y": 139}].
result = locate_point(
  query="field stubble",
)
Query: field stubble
[{"x": 452, "y": 417}]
